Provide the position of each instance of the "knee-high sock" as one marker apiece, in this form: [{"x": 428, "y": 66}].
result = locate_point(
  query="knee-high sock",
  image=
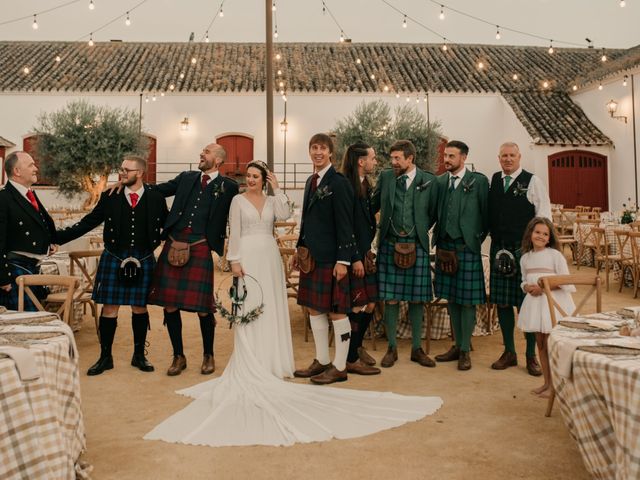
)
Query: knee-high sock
[
  {"x": 506, "y": 319},
  {"x": 468, "y": 324},
  {"x": 320, "y": 329},
  {"x": 207, "y": 329},
  {"x": 359, "y": 323},
  {"x": 173, "y": 321},
  {"x": 139, "y": 324},
  {"x": 107, "y": 328},
  {"x": 342, "y": 334},
  {"x": 391, "y": 312},
  {"x": 416, "y": 316},
  {"x": 531, "y": 344},
  {"x": 455, "y": 314}
]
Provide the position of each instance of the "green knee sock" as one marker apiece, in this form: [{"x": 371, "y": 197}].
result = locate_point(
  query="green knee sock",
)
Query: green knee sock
[
  {"x": 455, "y": 314},
  {"x": 506, "y": 318},
  {"x": 416, "y": 316},
  {"x": 468, "y": 324},
  {"x": 391, "y": 312},
  {"x": 531, "y": 344}
]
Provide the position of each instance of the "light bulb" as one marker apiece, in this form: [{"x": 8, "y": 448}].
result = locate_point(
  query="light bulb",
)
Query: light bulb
[
  {"x": 386, "y": 88},
  {"x": 162, "y": 94},
  {"x": 284, "y": 97},
  {"x": 397, "y": 95},
  {"x": 515, "y": 76},
  {"x": 127, "y": 21},
  {"x": 92, "y": 5},
  {"x": 551, "y": 48},
  {"x": 281, "y": 84},
  {"x": 574, "y": 88},
  {"x": 480, "y": 65},
  {"x": 404, "y": 22},
  {"x": 193, "y": 60},
  {"x": 498, "y": 36},
  {"x": 273, "y": 7},
  {"x": 341, "y": 37},
  {"x": 624, "y": 81},
  {"x": 146, "y": 99},
  {"x": 358, "y": 61},
  {"x": 34, "y": 25},
  {"x": 603, "y": 58},
  {"x": 153, "y": 98},
  {"x": 623, "y": 4},
  {"x": 408, "y": 99},
  {"x": 275, "y": 34},
  {"x": 206, "y": 38},
  {"x": 545, "y": 84},
  {"x": 281, "y": 91},
  {"x": 278, "y": 56},
  {"x": 373, "y": 77},
  {"x": 58, "y": 59},
  {"x": 181, "y": 75},
  {"x": 600, "y": 87},
  {"x": 172, "y": 87},
  {"x": 26, "y": 70},
  {"x": 221, "y": 14},
  {"x": 417, "y": 99},
  {"x": 279, "y": 72},
  {"x": 444, "y": 47},
  {"x": 441, "y": 16},
  {"x": 91, "y": 40}
]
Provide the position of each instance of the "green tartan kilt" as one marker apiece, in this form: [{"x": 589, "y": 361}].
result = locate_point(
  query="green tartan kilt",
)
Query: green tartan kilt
[
  {"x": 506, "y": 290},
  {"x": 410, "y": 284},
  {"x": 466, "y": 287}
]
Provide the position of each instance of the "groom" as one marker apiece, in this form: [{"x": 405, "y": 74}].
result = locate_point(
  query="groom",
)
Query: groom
[{"x": 325, "y": 247}]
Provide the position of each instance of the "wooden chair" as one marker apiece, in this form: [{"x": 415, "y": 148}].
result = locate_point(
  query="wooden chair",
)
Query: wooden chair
[
  {"x": 25, "y": 282},
  {"x": 585, "y": 238},
  {"x": 288, "y": 227},
  {"x": 96, "y": 242},
  {"x": 625, "y": 251},
  {"x": 634, "y": 240},
  {"x": 635, "y": 225},
  {"x": 292, "y": 281},
  {"x": 288, "y": 240},
  {"x": 604, "y": 255},
  {"x": 554, "y": 281},
  {"x": 565, "y": 221}
]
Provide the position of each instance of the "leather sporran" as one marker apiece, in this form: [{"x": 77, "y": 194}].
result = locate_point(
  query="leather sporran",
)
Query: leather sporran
[
  {"x": 180, "y": 252},
  {"x": 504, "y": 263},
  {"x": 370, "y": 263},
  {"x": 447, "y": 261},
  {"x": 306, "y": 263},
  {"x": 404, "y": 255}
]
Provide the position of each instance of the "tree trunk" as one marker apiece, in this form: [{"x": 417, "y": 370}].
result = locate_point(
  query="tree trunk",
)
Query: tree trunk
[{"x": 94, "y": 189}]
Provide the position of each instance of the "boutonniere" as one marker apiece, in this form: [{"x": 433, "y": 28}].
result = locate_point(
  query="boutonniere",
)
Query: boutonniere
[
  {"x": 519, "y": 190},
  {"x": 217, "y": 189},
  {"x": 323, "y": 192},
  {"x": 423, "y": 185},
  {"x": 468, "y": 186}
]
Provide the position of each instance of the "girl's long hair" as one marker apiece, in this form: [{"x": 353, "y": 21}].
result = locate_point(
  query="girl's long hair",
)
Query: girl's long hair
[
  {"x": 350, "y": 165},
  {"x": 527, "y": 244}
]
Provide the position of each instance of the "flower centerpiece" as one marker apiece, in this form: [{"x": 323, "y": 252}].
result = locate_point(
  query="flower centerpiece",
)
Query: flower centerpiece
[{"x": 629, "y": 212}]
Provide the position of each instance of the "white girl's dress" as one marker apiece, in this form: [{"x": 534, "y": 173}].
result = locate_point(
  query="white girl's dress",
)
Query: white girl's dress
[
  {"x": 250, "y": 404},
  {"x": 534, "y": 313}
]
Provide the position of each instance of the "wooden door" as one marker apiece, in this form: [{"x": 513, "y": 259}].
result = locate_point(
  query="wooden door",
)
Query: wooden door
[
  {"x": 578, "y": 177},
  {"x": 150, "y": 176},
  {"x": 239, "y": 150}
]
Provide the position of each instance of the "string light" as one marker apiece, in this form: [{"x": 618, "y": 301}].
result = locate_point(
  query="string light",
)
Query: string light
[
  {"x": 275, "y": 33},
  {"x": 441, "y": 16},
  {"x": 58, "y": 59},
  {"x": 181, "y": 75},
  {"x": 551, "y": 48},
  {"x": 624, "y": 80},
  {"x": 603, "y": 58},
  {"x": 417, "y": 99},
  {"x": 193, "y": 60},
  {"x": 444, "y": 46},
  {"x": 574, "y": 88},
  {"x": 281, "y": 84},
  {"x": 404, "y": 22},
  {"x": 278, "y": 56},
  {"x": 372, "y": 76},
  {"x": 34, "y": 25},
  {"x": 600, "y": 87},
  {"x": 623, "y": 4},
  {"x": 26, "y": 70},
  {"x": 498, "y": 36},
  {"x": 162, "y": 94},
  {"x": 273, "y": 6},
  {"x": 341, "y": 36},
  {"x": 480, "y": 65},
  {"x": 408, "y": 99},
  {"x": 146, "y": 99},
  {"x": 279, "y": 72},
  {"x": 91, "y": 39},
  {"x": 386, "y": 88},
  {"x": 221, "y": 12},
  {"x": 153, "y": 99},
  {"x": 284, "y": 97},
  {"x": 172, "y": 87},
  {"x": 92, "y": 5},
  {"x": 397, "y": 95},
  {"x": 358, "y": 61},
  {"x": 515, "y": 76},
  {"x": 206, "y": 37},
  {"x": 127, "y": 21},
  {"x": 545, "y": 84}
]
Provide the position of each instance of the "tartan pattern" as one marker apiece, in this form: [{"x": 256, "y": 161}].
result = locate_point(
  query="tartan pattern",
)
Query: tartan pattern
[
  {"x": 320, "y": 291},
  {"x": 363, "y": 290},
  {"x": 467, "y": 286},
  {"x": 600, "y": 408},
  {"x": 10, "y": 299},
  {"x": 189, "y": 287},
  {"x": 506, "y": 290},
  {"x": 109, "y": 290},
  {"x": 41, "y": 426},
  {"x": 410, "y": 284}
]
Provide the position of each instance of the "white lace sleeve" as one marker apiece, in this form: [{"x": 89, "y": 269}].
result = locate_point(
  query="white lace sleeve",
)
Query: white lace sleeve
[
  {"x": 523, "y": 271},
  {"x": 235, "y": 229},
  {"x": 281, "y": 207}
]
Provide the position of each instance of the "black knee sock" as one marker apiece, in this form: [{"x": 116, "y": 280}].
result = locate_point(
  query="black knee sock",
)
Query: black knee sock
[
  {"x": 207, "y": 329},
  {"x": 139, "y": 324},
  {"x": 174, "y": 326},
  {"x": 359, "y": 324},
  {"x": 107, "y": 328}
]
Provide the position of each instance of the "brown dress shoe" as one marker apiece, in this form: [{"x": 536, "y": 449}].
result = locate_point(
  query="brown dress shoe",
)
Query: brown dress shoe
[
  {"x": 208, "y": 365},
  {"x": 390, "y": 357},
  {"x": 533, "y": 368},
  {"x": 422, "y": 358},
  {"x": 330, "y": 375},
  {"x": 506, "y": 360},
  {"x": 177, "y": 366},
  {"x": 365, "y": 357},
  {"x": 316, "y": 368},
  {"x": 361, "y": 368},
  {"x": 464, "y": 361},
  {"x": 450, "y": 356}
]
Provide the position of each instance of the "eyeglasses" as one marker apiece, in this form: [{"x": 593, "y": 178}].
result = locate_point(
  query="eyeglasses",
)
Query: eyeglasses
[{"x": 128, "y": 170}]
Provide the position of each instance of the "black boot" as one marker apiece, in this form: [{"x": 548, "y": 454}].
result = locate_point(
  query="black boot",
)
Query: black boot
[
  {"x": 140, "y": 324},
  {"x": 107, "y": 329}
]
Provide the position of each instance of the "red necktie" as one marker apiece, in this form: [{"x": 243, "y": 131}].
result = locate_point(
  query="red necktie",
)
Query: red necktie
[
  {"x": 32, "y": 198},
  {"x": 205, "y": 181},
  {"x": 134, "y": 199},
  {"x": 314, "y": 182}
]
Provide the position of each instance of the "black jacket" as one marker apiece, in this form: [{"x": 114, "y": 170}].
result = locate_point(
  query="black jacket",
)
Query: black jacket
[{"x": 364, "y": 225}]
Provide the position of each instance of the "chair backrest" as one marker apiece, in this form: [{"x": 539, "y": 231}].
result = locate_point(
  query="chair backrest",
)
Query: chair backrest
[
  {"x": 26, "y": 281},
  {"x": 288, "y": 240},
  {"x": 635, "y": 225},
  {"x": 291, "y": 277},
  {"x": 554, "y": 281},
  {"x": 86, "y": 262},
  {"x": 96, "y": 242},
  {"x": 588, "y": 215},
  {"x": 602, "y": 246},
  {"x": 623, "y": 244},
  {"x": 288, "y": 227},
  {"x": 634, "y": 241},
  {"x": 565, "y": 221},
  {"x": 584, "y": 231}
]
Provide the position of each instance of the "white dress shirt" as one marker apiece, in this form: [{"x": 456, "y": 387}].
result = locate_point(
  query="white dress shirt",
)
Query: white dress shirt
[{"x": 536, "y": 194}]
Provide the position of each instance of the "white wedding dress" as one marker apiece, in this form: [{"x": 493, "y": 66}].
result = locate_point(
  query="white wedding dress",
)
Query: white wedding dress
[{"x": 250, "y": 404}]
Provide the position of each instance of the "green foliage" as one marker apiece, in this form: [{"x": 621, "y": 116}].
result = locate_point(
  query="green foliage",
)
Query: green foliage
[
  {"x": 373, "y": 123},
  {"x": 82, "y": 144}
]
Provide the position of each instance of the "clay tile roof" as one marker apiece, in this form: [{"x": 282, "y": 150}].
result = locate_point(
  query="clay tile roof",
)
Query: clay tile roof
[
  {"x": 628, "y": 61},
  {"x": 6, "y": 143},
  {"x": 316, "y": 68}
]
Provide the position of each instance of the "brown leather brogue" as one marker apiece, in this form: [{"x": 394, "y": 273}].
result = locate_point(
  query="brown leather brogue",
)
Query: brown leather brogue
[
  {"x": 464, "y": 361},
  {"x": 365, "y": 357},
  {"x": 316, "y": 368},
  {"x": 422, "y": 358},
  {"x": 450, "y": 356},
  {"x": 533, "y": 368},
  {"x": 177, "y": 366},
  {"x": 506, "y": 360},
  {"x": 360, "y": 368},
  {"x": 330, "y": 375},
  {"x": 208, "y": 365},
  {"x": 389, "y": 358}
]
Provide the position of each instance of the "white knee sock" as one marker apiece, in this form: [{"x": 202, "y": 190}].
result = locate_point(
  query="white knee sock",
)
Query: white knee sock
[
  {"x": 342, "y": 332},
  {"x": 320, "y": 329}
]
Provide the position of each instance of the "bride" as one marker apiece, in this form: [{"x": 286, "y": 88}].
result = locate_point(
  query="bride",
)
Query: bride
[{"x": 250, "y": 403}]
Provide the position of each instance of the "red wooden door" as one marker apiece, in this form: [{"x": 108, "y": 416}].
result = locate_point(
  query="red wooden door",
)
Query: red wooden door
[
  {"x": 150, "y": 176},
  {"x": 578, "y": 177},
  {"x": 29, "y": 145},
  {"x": 239, "y": 152}
]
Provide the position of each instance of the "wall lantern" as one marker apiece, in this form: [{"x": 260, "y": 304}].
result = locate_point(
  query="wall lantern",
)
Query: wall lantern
[
  {"x": 612, "y": 107},
  {"x": 184, "y": 124}
]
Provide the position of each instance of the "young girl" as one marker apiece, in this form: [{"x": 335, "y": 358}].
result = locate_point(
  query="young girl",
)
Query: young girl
[{"x": 541, "y": 257}]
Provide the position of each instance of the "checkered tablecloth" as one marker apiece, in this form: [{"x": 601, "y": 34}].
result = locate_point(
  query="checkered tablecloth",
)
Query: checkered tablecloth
[
  {"x": 600, "y": 404},
  {"x": 41, "y": 427}
]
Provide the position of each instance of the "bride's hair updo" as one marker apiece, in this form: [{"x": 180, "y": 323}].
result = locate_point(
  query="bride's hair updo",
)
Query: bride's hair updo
[{"x": 262, "y": 167}]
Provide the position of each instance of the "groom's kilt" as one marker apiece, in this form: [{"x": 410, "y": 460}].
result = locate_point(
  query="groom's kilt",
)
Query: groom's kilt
[
  {"x": 410, "y": 284},
  {"x": 187, "y": 288},
  {"x": 109, "y": 290},
  {"x": 320, "y": 291},
  {"x": 506, "y": 290},
  {"x": 363, "y": 290},
  {"x": 466, "y": 287}
]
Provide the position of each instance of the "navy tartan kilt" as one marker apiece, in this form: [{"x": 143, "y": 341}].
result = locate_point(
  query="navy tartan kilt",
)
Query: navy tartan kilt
[
  {"x": 363, "y": 290},
  {"x": 9, "y": 299},
  {"x": 506, "y": 290},
  {"x": 320, "y": 291},
  {"x": 189, "y": 287},
  {"x": 409, "y": 284},
  {"x": 109, "y": 290},
  {"x": 466, "y": 287}
]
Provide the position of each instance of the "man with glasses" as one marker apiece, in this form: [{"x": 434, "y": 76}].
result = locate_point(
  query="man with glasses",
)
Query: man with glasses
[{"x": 133, "y": 221}]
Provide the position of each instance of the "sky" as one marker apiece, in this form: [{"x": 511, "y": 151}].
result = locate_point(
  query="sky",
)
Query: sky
[{"x": 602, "y": 21}]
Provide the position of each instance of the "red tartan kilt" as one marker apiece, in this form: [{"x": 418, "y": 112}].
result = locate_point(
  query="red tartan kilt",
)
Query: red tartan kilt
[
  {"x": 363, "y": 290},
  {"x": 320, "y": 291},
  {"x": 189, "y": 287}
]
